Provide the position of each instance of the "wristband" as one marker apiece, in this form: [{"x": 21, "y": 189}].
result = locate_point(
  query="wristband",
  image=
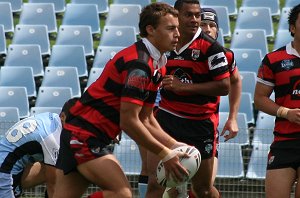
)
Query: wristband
[
  {"x": 169, "y": 156},
  {"x": 164, "y": 152},
  {"x": 282, "y": 112}
]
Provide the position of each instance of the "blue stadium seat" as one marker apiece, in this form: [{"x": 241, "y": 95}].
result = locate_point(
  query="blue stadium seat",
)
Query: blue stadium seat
[
  {"x": 247, "y": 59},
  {"x": 127, "y": 152},
  {"x": 62, "y": 77},
  {"x": 104, "y": 54},
  {"x": 8, "y": 117},
  {"x": 18, "y": 77},
  {"x": 258, "y": 162},
  {"x": 283, "y": 37},
  {"x": 220, "y": 38},
  {"x": 170, "y": 2},
  {"x": 25, "y": 55},
  {"x": 250, "y": 39},
  {"x": 246, "y": 106},
  {"x": 283, "y": 21},
  {"x": 16, "y": 5},
  {"x": 3, "y": 49},
  {"x": 15, "y": 97},
  {"x": 263, "y": 132},
  {"x": 248, "y": 82},
  {"x": 255, "y": 18},
  {"x": 142, "y": 3},
  {"x": 76, "y": 35},
  {"x": 59, "y": 5},
  {"x": 95, "y": 72},
  {"x": 33, "y": 34},
  {"x": 291, "y": 3},
  {"x": 242, "y": 137},
  {"x": 272, "y": 4},
  {"x": 38, "y": 110},
  {"x": 124, "y": 14},
  {"x": 82, "y": 14},
  {"x": 230, "y": 4},
  {"x": 39, "y": 14},
  {"x": 59, "y": 58},
  {"x": 6, "y": 17},
  {"x": 121, "y": 36},
  {"x": 230, "y": 163},
  {"x": 102, "y": 5},
  {"x": 223, "y": 18},
  {"x": 53, "y": 96}
]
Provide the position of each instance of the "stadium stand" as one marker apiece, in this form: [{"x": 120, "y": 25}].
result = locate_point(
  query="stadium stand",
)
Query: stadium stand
[
  {"x": 53, "y": 96},
  {"x": 8, "y": 117},
  {"x": 247, "y": 59},
  {"x": 3, "y": 49},
  {"x": 230, "y": 4},
  {"x": 272, "y": 4},
  {"x": 283, "y": 37},
  {"x": 104, "y": 53}
]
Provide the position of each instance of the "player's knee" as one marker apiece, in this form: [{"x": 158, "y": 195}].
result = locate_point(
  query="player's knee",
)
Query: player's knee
[{"x": 124, "y": 192}]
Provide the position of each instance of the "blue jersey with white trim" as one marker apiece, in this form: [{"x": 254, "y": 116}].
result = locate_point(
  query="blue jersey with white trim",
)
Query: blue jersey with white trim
[{"x": 33, "y": 139}]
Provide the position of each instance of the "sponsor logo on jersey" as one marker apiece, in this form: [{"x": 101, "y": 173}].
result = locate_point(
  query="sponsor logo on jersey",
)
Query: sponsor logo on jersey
[
  {"x": 137, "y": 79},
  {"x": 217, "y": 60},
  {"x": 183, "y": 76},
  {"x": 287, "y": 64},
  {"x": 195, "y": 54}
]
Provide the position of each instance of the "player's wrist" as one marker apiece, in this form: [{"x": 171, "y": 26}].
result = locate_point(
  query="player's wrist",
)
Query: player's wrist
[
  {"x": 282, "y": 112},
  {"x": 166, "y": 154}
]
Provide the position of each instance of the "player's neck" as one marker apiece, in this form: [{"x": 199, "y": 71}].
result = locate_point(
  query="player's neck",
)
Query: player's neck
[
  {"x": 183, "y": 40},
  {"x": 296, "y": 46}
]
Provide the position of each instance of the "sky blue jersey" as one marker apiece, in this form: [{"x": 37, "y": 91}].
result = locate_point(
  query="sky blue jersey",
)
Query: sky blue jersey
[{"x": 33, "y": 139}]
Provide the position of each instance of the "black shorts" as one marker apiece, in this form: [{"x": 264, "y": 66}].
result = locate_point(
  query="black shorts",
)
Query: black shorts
[
  {"x": 202, "y": 134},
  {"x": 284, "y": 154},
  {"x": 79, "y": 147}
]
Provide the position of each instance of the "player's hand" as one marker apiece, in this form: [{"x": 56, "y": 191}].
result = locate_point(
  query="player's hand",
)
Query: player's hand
[
  {"x": 232, "y": 127},
  {"x": 171, "y": 83},
  {"x": 173, "y": 168}
]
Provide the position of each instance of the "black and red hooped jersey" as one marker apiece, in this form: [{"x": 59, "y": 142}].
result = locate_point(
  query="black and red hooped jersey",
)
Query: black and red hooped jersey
[
  {"x": 203, "y": 60},
  {"x": 282, "y": 71},
  {"x": 128, "y": 77}
]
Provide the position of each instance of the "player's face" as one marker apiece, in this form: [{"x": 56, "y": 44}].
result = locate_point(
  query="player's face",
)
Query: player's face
[
  {"x": 166, "y": 34},
  {"x": 189, "y": 18},
  {"x": 210, "y": 28},
  {"x": 296, "y": 29}
]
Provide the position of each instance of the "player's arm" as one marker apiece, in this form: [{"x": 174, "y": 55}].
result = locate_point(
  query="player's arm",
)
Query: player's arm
[
  {"x": 234, "y": 104},
  {"x": 211, "y": 88},
  {"x": 136, "y": 124}
]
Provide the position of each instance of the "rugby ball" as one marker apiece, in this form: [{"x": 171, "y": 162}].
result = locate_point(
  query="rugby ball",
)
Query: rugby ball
[{"x": 192, "y": 165}]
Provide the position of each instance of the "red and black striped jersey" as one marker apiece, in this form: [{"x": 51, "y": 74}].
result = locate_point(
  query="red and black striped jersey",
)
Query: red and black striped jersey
[
  {"x": 203, "y": 60},
  {"x": 128, "y": 77},
  {"x": 281, "y": 70},
  {"x": 231, "y": 61}
]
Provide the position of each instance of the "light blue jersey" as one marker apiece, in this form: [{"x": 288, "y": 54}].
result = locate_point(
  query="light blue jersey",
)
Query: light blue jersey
[{"x": 33, "y": 139}]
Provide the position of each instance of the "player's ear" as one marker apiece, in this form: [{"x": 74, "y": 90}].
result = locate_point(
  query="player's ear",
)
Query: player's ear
[{"x": 150, "y": 29}]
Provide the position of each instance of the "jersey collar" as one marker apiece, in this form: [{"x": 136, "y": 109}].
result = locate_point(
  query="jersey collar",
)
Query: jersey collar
[
  {"x": 290, "y": 50},
  {"x": 159, "y": 60},
  {"x": 189, "y": 43}
]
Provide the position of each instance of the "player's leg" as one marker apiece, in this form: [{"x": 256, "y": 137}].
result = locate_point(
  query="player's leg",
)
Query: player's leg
[
  {"x": 279, "y": 182},
  {"x": 143, "y": 177},
  {"x": 297, "y": 189},
  {"x": 109, "y": 177},
  {"x": 202, "y": 183},
  {"x": 72, "y": 185},
  {"x": 33, "y": 175},
  {"x": 153, "y": 188}
]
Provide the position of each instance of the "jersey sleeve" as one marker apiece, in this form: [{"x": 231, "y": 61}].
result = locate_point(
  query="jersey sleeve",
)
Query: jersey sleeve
[
  {"x": 137, "y": 82},
  {"x": 265, "y": 74},
  {"x": 217, "y": 62}
]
